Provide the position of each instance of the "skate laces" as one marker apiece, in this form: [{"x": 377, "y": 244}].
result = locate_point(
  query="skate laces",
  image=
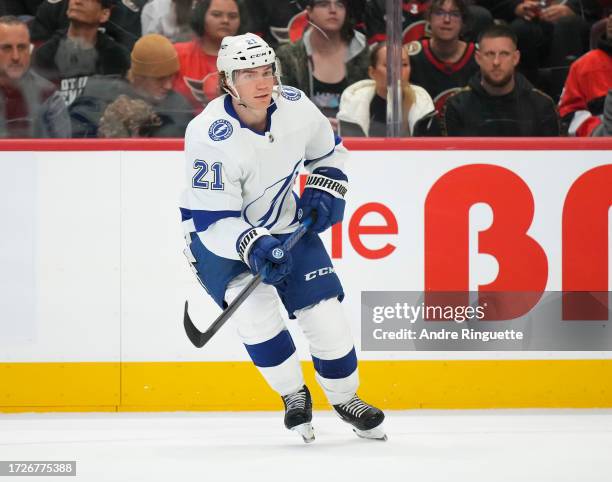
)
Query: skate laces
[
  {"x": 355, "y": 406},
  {"x": 295, "y": 400}
]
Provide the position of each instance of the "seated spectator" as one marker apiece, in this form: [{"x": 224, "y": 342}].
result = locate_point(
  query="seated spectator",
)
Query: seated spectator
[
  {"x": 169, "y": 18},
  {"x": 149, "y": 81},
  {"x": 71, "y": 57},
  {"x": 589, "y": 79},
  {"x": 363, "y": 105},
  {"x": 553, "y": 36},
  {"x": 211, "y": 20},
  {"x": 499, "y": 101},
  {"x": 29, "y": 105},
  {"x": 123, "y": 25},
  {"x": 414, "y": 21},
  {"x": 285, "y": 22},
  {"x": 328, "y": 58},
  {"x": 271, "y": 19},
  {"x": 443, "y": 63}
]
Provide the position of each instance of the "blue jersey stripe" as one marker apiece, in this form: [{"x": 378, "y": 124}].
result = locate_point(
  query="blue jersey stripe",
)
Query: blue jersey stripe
[
  {"x": 273, "y": 352},
  {"x": 338, "y": 368},
  {"x": 310, "y": 161},
  {"x": 185, "y": 214},
  {"x": 203, "y": 219}
]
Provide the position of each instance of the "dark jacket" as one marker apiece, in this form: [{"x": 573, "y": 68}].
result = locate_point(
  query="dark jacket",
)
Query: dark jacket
[
  {"x": 123, "y": 25},
  {"x": 175, "y": 112},
  {"x": 523, "y": 112},
  {"x": 270, "y": 19},
  {"x": 19, "y": 7},
  {"x": 296, "y": 63},
  {"x": 590, "y": 10},
  {"x": 113, "y": 59},
  {"x": 37, "y": 110}
]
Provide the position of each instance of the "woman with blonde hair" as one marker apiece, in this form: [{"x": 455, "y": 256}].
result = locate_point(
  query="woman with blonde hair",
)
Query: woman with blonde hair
[{"x": 363, "y": 105}]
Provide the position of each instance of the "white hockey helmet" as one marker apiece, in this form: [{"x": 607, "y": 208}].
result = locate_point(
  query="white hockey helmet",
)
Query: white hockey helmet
[{"x": 245, "y": 51}]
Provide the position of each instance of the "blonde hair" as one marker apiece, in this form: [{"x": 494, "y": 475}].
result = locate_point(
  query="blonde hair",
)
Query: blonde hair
[{"x": 408, "y": 94}]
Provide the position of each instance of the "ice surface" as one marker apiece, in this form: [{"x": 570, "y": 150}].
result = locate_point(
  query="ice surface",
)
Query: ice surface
[{"x": 445, "y": 446}]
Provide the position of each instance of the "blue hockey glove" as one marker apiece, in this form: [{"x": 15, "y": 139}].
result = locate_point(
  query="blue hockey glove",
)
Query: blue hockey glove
[
  {"x": 324, "y": 194},
  {"x": 265, "y": 255}
]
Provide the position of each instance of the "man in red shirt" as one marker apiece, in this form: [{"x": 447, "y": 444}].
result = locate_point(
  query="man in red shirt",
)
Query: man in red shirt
[{"x": 588, "y": 82}]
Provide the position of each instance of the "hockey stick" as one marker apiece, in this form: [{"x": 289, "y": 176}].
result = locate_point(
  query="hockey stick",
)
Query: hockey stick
[{"x": 199, "y": 338}]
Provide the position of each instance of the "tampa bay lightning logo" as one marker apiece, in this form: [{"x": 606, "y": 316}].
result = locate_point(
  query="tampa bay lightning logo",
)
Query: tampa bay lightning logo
[
  {"x": 290, "y": 93},
  {"x": 277, "y": 253},
  {"x": 265, "y": 210},
  {"x": 220, "y": 129}
]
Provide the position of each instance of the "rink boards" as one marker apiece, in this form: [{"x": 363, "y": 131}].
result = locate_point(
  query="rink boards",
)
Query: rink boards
[{"x": 93, "y": 279}]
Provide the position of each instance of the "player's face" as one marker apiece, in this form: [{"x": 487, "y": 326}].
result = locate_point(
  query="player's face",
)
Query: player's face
[
  {"x": 446, "y": 22},
  {"x": 379, "y": 72},
  {"x": 14, "y": 51},
  {"x": 89, "y": 12},
  {"x": 497, "y": 58},
  {"x": 328, "y": 15},
  {"x": 156, "y": 88},
  {"x": 254, "y": 86},
  {"x": 222, "y": 19}
]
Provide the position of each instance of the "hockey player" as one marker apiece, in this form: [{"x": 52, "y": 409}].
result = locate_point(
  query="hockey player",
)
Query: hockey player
[{"x": 243, "y": 154}]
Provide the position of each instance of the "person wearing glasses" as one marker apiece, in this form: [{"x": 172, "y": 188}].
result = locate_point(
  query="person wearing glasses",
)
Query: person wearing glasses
[
  {"x": 499, "y": 101},
  {"x": 414, "y": 23},
  {"x": 329, "y": 57},
  {"x": 443, "y": 63}
]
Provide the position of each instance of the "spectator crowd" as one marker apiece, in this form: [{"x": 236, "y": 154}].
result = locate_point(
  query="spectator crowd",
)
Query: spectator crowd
[{"x": 145, "y": 68}]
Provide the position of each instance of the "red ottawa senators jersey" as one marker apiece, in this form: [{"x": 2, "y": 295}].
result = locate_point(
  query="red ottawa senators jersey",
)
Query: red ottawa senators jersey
[
  {"x": 414, "y": 25},
  {"x": 586, "y": 86},
  {"x": 440, "y": 79}
]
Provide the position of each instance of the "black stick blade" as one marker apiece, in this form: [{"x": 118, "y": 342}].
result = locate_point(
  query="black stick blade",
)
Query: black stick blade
[{"x": 195, "y": 336}]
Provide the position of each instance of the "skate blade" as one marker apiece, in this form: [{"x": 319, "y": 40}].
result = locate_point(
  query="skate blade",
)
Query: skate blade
[
  {"x": 376, "y": 433},
  {"x": 306, "y": 431}
]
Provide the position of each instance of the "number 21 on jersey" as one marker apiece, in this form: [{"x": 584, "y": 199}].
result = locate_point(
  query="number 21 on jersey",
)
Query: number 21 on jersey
[{"x": 202, "y": 168}]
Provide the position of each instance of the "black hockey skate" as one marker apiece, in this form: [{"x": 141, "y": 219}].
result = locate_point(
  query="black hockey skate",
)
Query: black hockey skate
[
  {"x": 365, "y": 419},
  {"x": 298, "y": 413}
]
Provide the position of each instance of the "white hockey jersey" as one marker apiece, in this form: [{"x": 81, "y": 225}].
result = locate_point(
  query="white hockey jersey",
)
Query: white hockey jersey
[{"x": 238, "y": 178}]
